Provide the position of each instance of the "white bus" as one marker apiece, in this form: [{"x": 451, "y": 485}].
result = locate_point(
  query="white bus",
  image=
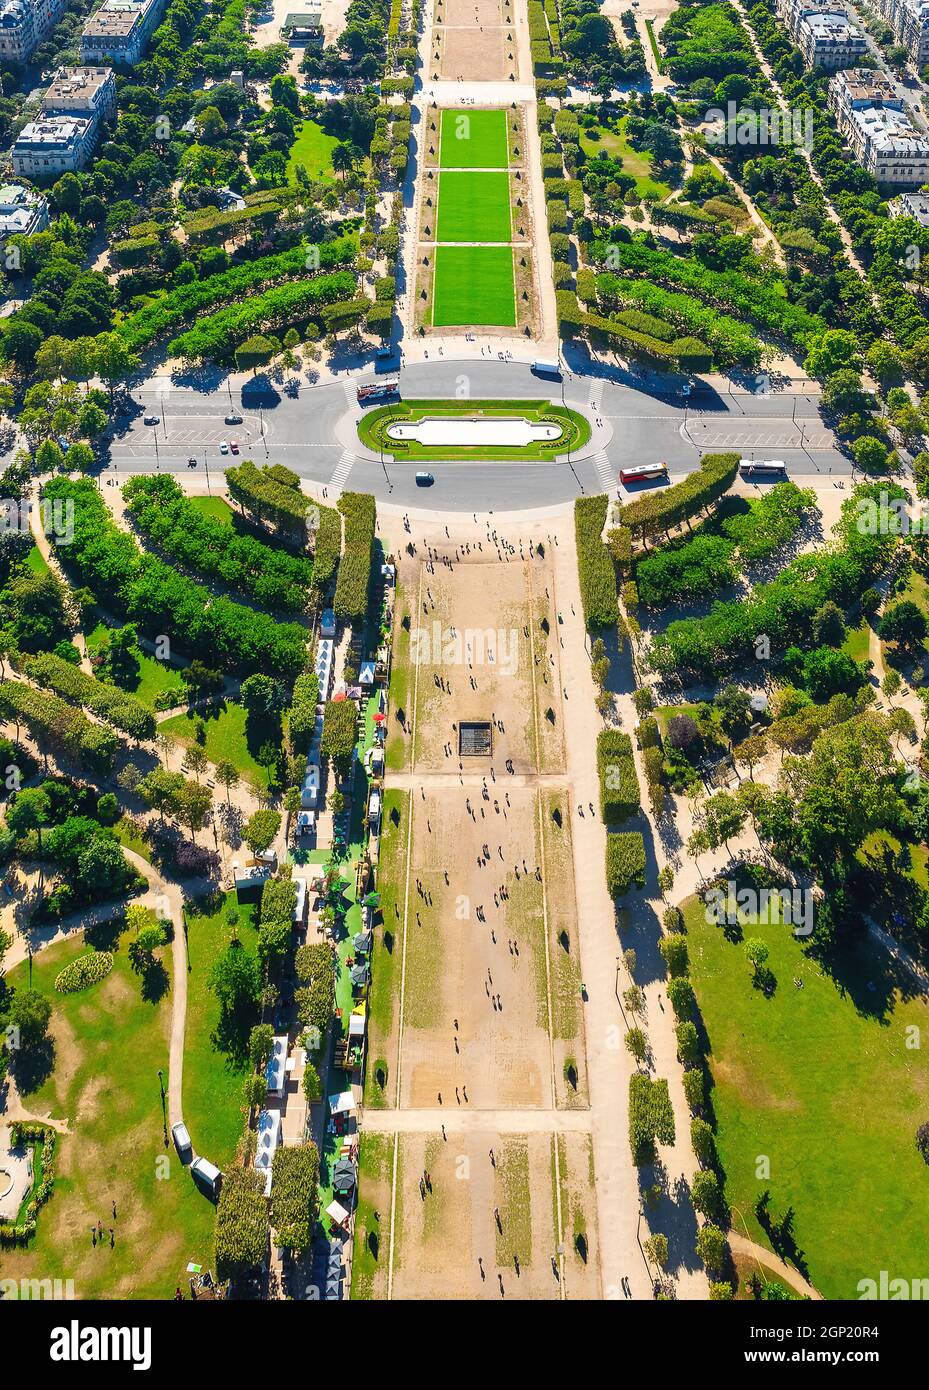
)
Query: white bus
[
  {"x": 773, "y": 469},
  {"x": 376, "y": 391},
  {"x": 644, "y": 473}
]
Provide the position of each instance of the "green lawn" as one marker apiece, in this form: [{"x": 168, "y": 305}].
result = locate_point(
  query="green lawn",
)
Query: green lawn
[
  {"x": 216, "y": 508},
  {"x": 35, "y": 561},
  {"x": 821, "y": 1081},
  {"x": 857, "y": 641},
  {"x": 388, "y": 944},
  {"x": 474, "y": 206},
  {"x": 213, "y": 1109},
  {"x": 226, "y": 739},
  {"x": 473, "y": 285},
  {"x": 635, "y": 162},
  {"x": 153, "y": 676},
  {"x": 473, "y": 140},
  {"x": 110, "y": 1043},
  {"x": 574, "y": 429},
  {"x": 313, "y": 149}
]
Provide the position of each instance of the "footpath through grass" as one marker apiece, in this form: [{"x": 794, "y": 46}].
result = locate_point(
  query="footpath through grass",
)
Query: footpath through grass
[{"x": 823, "y": 1081}]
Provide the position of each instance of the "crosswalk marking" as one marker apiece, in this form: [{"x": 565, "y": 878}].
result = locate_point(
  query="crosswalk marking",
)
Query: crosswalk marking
[
  {"x": 604, "y": 471},
  {"x": 342, "y": 470}
]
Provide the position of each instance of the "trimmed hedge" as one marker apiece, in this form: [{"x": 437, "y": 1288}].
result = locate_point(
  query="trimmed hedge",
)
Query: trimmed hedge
[
  {"x": 241, "y": 1223},
  {"x": 54, "y": 723},
  {"x": 340, "y": 720},
  {"x": 106, "y": 701},
  {"x": 594, "y": 565},
  {"x": 295, "y": 1195},
  {"x": 315, "y": 999},
  {"x": 625, "y": 862},
  {"x": 619, "y": 785},
  {"x": 353, "y": 584},
  {"x": 657, "y": 512}
]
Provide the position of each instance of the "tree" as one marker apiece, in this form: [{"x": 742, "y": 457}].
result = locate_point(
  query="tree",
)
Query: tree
[
  {"x": 832, "y": 350},
  {"x": 29, "y": 1013},
  {"x": 722, "y": 818},
  {"x": 750, "y": 751},
  {"x": 905, "y": 625},
  {"x": 869, "y": 453},
  {"x": 260, "y": 830},
  {"x": 656, "y": 1248},
  {"x": 30, "y": 811},
  {"x": 196, "y": 760},
  {"x": 683, "y": 733},
  {"x": 757, "y": 952},
  {"x": 711, "y": 1247},
  {"x": 260, "y": 1045},
  {"x": 113, "y": 360},
  {"x": 637, "y": 1043},
  {"x": 228, "y": 774},
  {"x": 665, "y": 879},
  {"x": 262, "y": 697},
  {"x": 312, "y": 1086},
  {"x": 829, "y": 625},
  {"x": 705, "y": 1193},
  {"x": 235, "y": 979}
]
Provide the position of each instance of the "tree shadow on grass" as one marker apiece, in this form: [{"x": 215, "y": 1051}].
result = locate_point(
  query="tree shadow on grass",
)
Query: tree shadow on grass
[{"x": 32, "y": 1066}]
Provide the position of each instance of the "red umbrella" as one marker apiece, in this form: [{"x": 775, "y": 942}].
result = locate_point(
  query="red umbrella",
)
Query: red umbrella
[{"x": 380, "y": 718}]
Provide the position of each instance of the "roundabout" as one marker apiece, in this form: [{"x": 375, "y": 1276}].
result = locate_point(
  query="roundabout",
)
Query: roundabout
[{"x": 468, "y": 430}]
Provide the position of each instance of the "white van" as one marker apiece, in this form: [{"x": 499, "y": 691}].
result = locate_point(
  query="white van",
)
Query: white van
[{"x": 207, "y": 1176}]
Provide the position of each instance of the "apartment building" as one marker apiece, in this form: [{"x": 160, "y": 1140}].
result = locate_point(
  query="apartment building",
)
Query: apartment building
[
  {"x": 909, "y": 20},
  {"x": 119, "y": 31},
  {"x": 62, "y": 137},
  {"x": 87, "y": 91},
  {"x": 24, "y": 24},
  {"x": 825, "y": 35},
  {"x": 51, "y": 146},
  {"x": 880, "y": 134},
  {"x": 915, "y": 205},
  {"x": 22, "y": 211}
]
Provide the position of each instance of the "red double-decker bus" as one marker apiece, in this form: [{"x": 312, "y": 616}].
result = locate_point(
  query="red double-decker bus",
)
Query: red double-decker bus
[{"x": 376, "y": 391}]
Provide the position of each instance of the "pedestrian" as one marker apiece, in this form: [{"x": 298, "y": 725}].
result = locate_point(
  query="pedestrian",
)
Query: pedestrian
[
  {"x": 114, "y": 1211},
  {"x": 493, "y": 1161},
  {"x": 112, "y": 1237}
]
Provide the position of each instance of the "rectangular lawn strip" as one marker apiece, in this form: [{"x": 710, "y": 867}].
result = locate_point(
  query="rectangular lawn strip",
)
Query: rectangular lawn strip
[
  {"x": 109, "y": 1044},
  {"x": 809, "y": 1077},
  {"x": 474, "y": 286},
  {"x": 372, "y": 1234},
  {"x": 512, "y": 1190},
  {"x": 213, "y": 1075},
  {"x": 388, "y": 944},
  {"x": 226, "y": 739},
  {"x": 562, "y": 916},
  {"x": 473, "y": 140},
  {"x": 216, "y": 508},
  {"x": 474, "y": 206},
  {"x": 400, "y": 693}
]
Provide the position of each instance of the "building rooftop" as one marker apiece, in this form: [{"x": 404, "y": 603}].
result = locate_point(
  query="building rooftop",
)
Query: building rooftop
[
  {"x": 69, "y": 83},
  {"x": 831, "y": 26},
  {"x": 115, "y": 18},
  {"x": 915, "y": 205},
  {"x": 891, "y": 132},
  {"x": 52, "y": 132},
  {"x": 866, "y": 88}
]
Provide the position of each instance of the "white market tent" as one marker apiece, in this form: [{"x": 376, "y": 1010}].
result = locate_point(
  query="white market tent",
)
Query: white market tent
[
  {"x": 275, "y": 1071},
  {"x": 342, "y": 1104},
  {"x": 337, "y": 1212},
  {"x": 269, "y": 1137}
]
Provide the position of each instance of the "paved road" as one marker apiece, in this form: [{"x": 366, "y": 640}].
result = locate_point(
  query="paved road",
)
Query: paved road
[{"x": 311, "y": 430}]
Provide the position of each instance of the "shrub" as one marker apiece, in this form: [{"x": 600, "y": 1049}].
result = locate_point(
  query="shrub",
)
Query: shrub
[
  {"x": 651, "y": 1116},
  {"x": 625, "y": 862},
  {"x": 339, "y": 733},
  {"x": 84, "y": 971},
  {"x": 351, "y": 590},
  {"x": 315, "y": 999},
  {"x": 619, "y": 785},
  {"x": 595, "y": 567},
  {"x": 295, "y": 1195},
  {"x": 241, "y": 1223}
]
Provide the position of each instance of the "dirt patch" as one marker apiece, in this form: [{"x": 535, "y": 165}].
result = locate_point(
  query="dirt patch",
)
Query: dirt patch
[
  {"x": 464, "y": 13},
  {"x": 473, "y": 55}
]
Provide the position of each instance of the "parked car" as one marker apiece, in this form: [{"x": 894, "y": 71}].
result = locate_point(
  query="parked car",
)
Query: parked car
[
  {"x": 224, "y": 447},
  {"x": 207, "y": 1176},
  {"x": 233, "y": 419},
  {"x": 234, "y": 446},
  {"x": 152, "y": 420},
  {"x": 182, "y": 1142},
  {"x": 424, "y": 480}
]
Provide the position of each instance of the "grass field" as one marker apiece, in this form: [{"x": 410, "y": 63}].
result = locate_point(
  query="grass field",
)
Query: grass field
[
  {"x": 635, "y": 162},
  {"x": 474, "y": 285},
  {"x": 474, "y": 206},
  {"x": 109, "y": 1045},
  {"x": 473, "y": 140},
  {"x": 153, "y": 676},
  {"x": 216, "y": 508},
  {"x": 313, "y": 149},
  {"x": 821, "y": 1081},
  {"x": 226, "y": 738}
]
